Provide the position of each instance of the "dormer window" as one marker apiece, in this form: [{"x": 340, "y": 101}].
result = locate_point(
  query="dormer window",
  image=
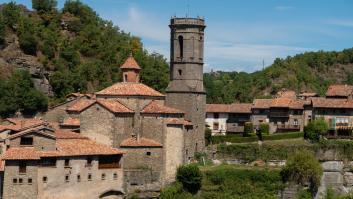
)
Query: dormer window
[{"x": 26, "y": 141}]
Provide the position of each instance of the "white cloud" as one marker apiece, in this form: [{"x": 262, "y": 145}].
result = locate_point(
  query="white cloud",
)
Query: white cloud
[
  {"x": 283, "y": 8},
  {"x": 343, "y": 23}
]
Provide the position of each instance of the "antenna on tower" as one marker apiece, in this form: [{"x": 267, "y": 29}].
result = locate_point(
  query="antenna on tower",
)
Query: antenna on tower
[
  {"x": 187, "y": 8},
  {"x": 263, "y": 64}
]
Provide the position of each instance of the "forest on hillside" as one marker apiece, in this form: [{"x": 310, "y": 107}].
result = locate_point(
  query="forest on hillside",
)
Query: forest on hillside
[{"x": 82, "y": 53}]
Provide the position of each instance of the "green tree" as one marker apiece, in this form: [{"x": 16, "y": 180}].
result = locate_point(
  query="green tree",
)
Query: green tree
[
  {"x": 2, "y": 30},
  {"x": 11, "y": 13},
  {"x": 208, "y": 136},
  {"x": 190, "y": 177},
  {"x": 44, "y": 5},
  {"x": 302, "y": 167},
  {"x": 316, "y": 129}
]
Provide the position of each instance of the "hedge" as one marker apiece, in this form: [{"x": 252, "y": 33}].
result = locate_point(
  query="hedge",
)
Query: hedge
[
  {"x": 281, "y": 136},
  {"x": 254, "y": 138}
]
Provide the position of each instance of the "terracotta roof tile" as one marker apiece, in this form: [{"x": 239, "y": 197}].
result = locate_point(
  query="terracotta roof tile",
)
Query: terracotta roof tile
[
  {"x": 180, "y": 121},
  {"x": 34, "y": 130},
  {"x": 141, "y": 142},
  {"x": 130, "y": 63},
  {"x": 71, "y": 122},
  {"x": 155, "y": 107},
  {"x": 80, "y": 105},
  {"x": 332, "y": 103},
  {"x": 66, "y": 134},
  {"x": 339, "y": 90},
  {"x": 286, "y": 94},
  {"x": 114, "y": 106},
  {"x": 217, "y": 108},
  {"x": 18, "y": 124},
  {"x": 21, "y": 153},
  {"x": 229, "y": 108},
  {"x": 129, "y": 89},
  {"x": 262, "y": 103}
]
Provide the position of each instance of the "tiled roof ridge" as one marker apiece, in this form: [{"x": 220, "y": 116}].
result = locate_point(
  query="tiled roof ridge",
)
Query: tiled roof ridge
[
  {"x": 130, "y": 63},
  {"x": 33, "y": 130},
  {"x": 155, "y": 107},
  {"x": 103, "y": 102},
  {"x": 140, "y": 142}
]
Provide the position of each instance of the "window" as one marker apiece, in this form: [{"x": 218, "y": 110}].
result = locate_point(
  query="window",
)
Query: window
[
  {"x": 115, "y": 176},
  {"x": 14, "y": 181},
  {"x": 78, "y": 178},
  {"x": 125, "y": 78},
  {"x": 67, "y": 163},
  {"x": 215, "y": 125},
  {"x": 89, "y": 177},
  {"x": 29, "y": 181},
  {"x": 103, "y": 176},
  {"x": 26, "y": 141},
  {"x": 22, "y": 167},
  {"x": 89, "y": 162},
  {"x": 216, "y": 115},
  {"x": 20, "y": 180},
  {"x": 49, "y": 162},
  {"x": 109, "y": 161},
  {"x": 148, "y": 153},
  {"x": 295, "y": 122},
  {"x": 181, "y": 46},
  {"x": 45, "y": 179},
  {"x": 180, "y": 72},
  {"x": 67, "y": 178}
]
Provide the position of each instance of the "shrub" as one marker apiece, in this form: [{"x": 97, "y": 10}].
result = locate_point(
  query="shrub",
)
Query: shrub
[
  {"x": 208, "y": 136},
  {"x": 248, "y": 129},
  {"x": 302, "y": 168},
  {"x": 264, "y": 129},
  {"x": 44, "y": 5},
  {"x": 190, "y": 177},
  {"x": 281, "y": 136},
  {"x": 315, "y": 129},
  {"x": 174, "y": 191},
  {"x": 11, "y": 13}
]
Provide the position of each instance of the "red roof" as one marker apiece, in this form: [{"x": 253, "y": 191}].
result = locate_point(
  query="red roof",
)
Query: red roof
[
  {"x": 114, "y": 106},
  {"x": 67, "y": 144},
  {"x": 71, "y": 122},
  {"x": 129, "y": 89},
  {"x": 141, "y": 142},
  {"x": 38, "y": 130},
  {"x": 339, "y": 90},
  {"x": 262, "y": 103},
  {"x": 332, "y": 103},
  {"x": 180, "y": 121},
  {"x": 155, "y": 107},
  {"x": 286, "y": 94},
  {"x": 229, "y": 108},
  {"x": 130, "y": 63},
  {"x": 18, "y": 124},
  {"x": 80, "y": 105}
]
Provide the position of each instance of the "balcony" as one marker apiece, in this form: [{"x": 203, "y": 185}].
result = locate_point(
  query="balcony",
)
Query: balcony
[
  {"x": 279, "y": 114},
  {"x": 288, "y": 127},
  {"x": 114, "y": 165}
]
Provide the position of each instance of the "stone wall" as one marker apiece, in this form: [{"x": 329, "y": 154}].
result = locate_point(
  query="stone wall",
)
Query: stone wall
[
  {"x": 24, "y": 190},
  {"x": 174, "y": 153},
  {"x": 57, "y": 187},
  {"x": 40, "y": 142}
]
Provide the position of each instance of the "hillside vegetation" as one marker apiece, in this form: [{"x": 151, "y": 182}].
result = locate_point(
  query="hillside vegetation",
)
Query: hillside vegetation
[{"x": 78, "y": 50}]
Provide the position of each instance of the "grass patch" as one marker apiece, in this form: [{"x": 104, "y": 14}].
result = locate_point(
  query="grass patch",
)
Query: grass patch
[
  {"x": 253, "y": 138},
  {"x": 281, "y": 136}
]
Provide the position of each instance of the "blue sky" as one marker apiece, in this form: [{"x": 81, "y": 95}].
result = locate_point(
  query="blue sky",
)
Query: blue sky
[{"x": 239, "y": 34}]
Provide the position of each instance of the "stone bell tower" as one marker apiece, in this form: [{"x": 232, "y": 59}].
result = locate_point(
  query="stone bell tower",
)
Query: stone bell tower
[{"x": 185, "y": 90}]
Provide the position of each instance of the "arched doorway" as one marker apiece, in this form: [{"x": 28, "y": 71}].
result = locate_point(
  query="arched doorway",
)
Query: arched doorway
[{"x": 112, "y": 194}]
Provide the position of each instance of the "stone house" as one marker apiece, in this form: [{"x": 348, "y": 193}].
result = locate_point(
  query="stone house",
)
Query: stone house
[
  {"x": 339, "y": 91},
  {"x": 227, "y": 118},
  {"x": 42, "y": 162}
]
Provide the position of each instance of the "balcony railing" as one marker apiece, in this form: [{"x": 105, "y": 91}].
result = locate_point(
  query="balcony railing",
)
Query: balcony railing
[
  {"x": 288, "y": 126},
  {"x": 279, "y": 114}
]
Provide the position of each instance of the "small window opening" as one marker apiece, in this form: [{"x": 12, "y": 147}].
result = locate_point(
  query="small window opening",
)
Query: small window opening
[
  {"x": 115, "y": 176},
  {"x": 89, "y": 177},
  {"x": 180, "y": 72},
  {"x": 181, "y": 45},
  {"x": 22, "y": 167},
  {"x": 78, "y": 178},
  {"x": 20, "y": 180},
  {"x": 67, "y": 178},
  {"x": 125, "y": 78},
  {"x": 45, "y": 179},
  {"x": 26, "y": 141},
  {"x": 103, "y": 176},
  {"x": 89, "y": 162},
  {"x": 67, "y": 163},
  {"x": 148, "y": 153},
  {"x": 29, "y": 180},
  {"x": 14, "y": 181}
]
